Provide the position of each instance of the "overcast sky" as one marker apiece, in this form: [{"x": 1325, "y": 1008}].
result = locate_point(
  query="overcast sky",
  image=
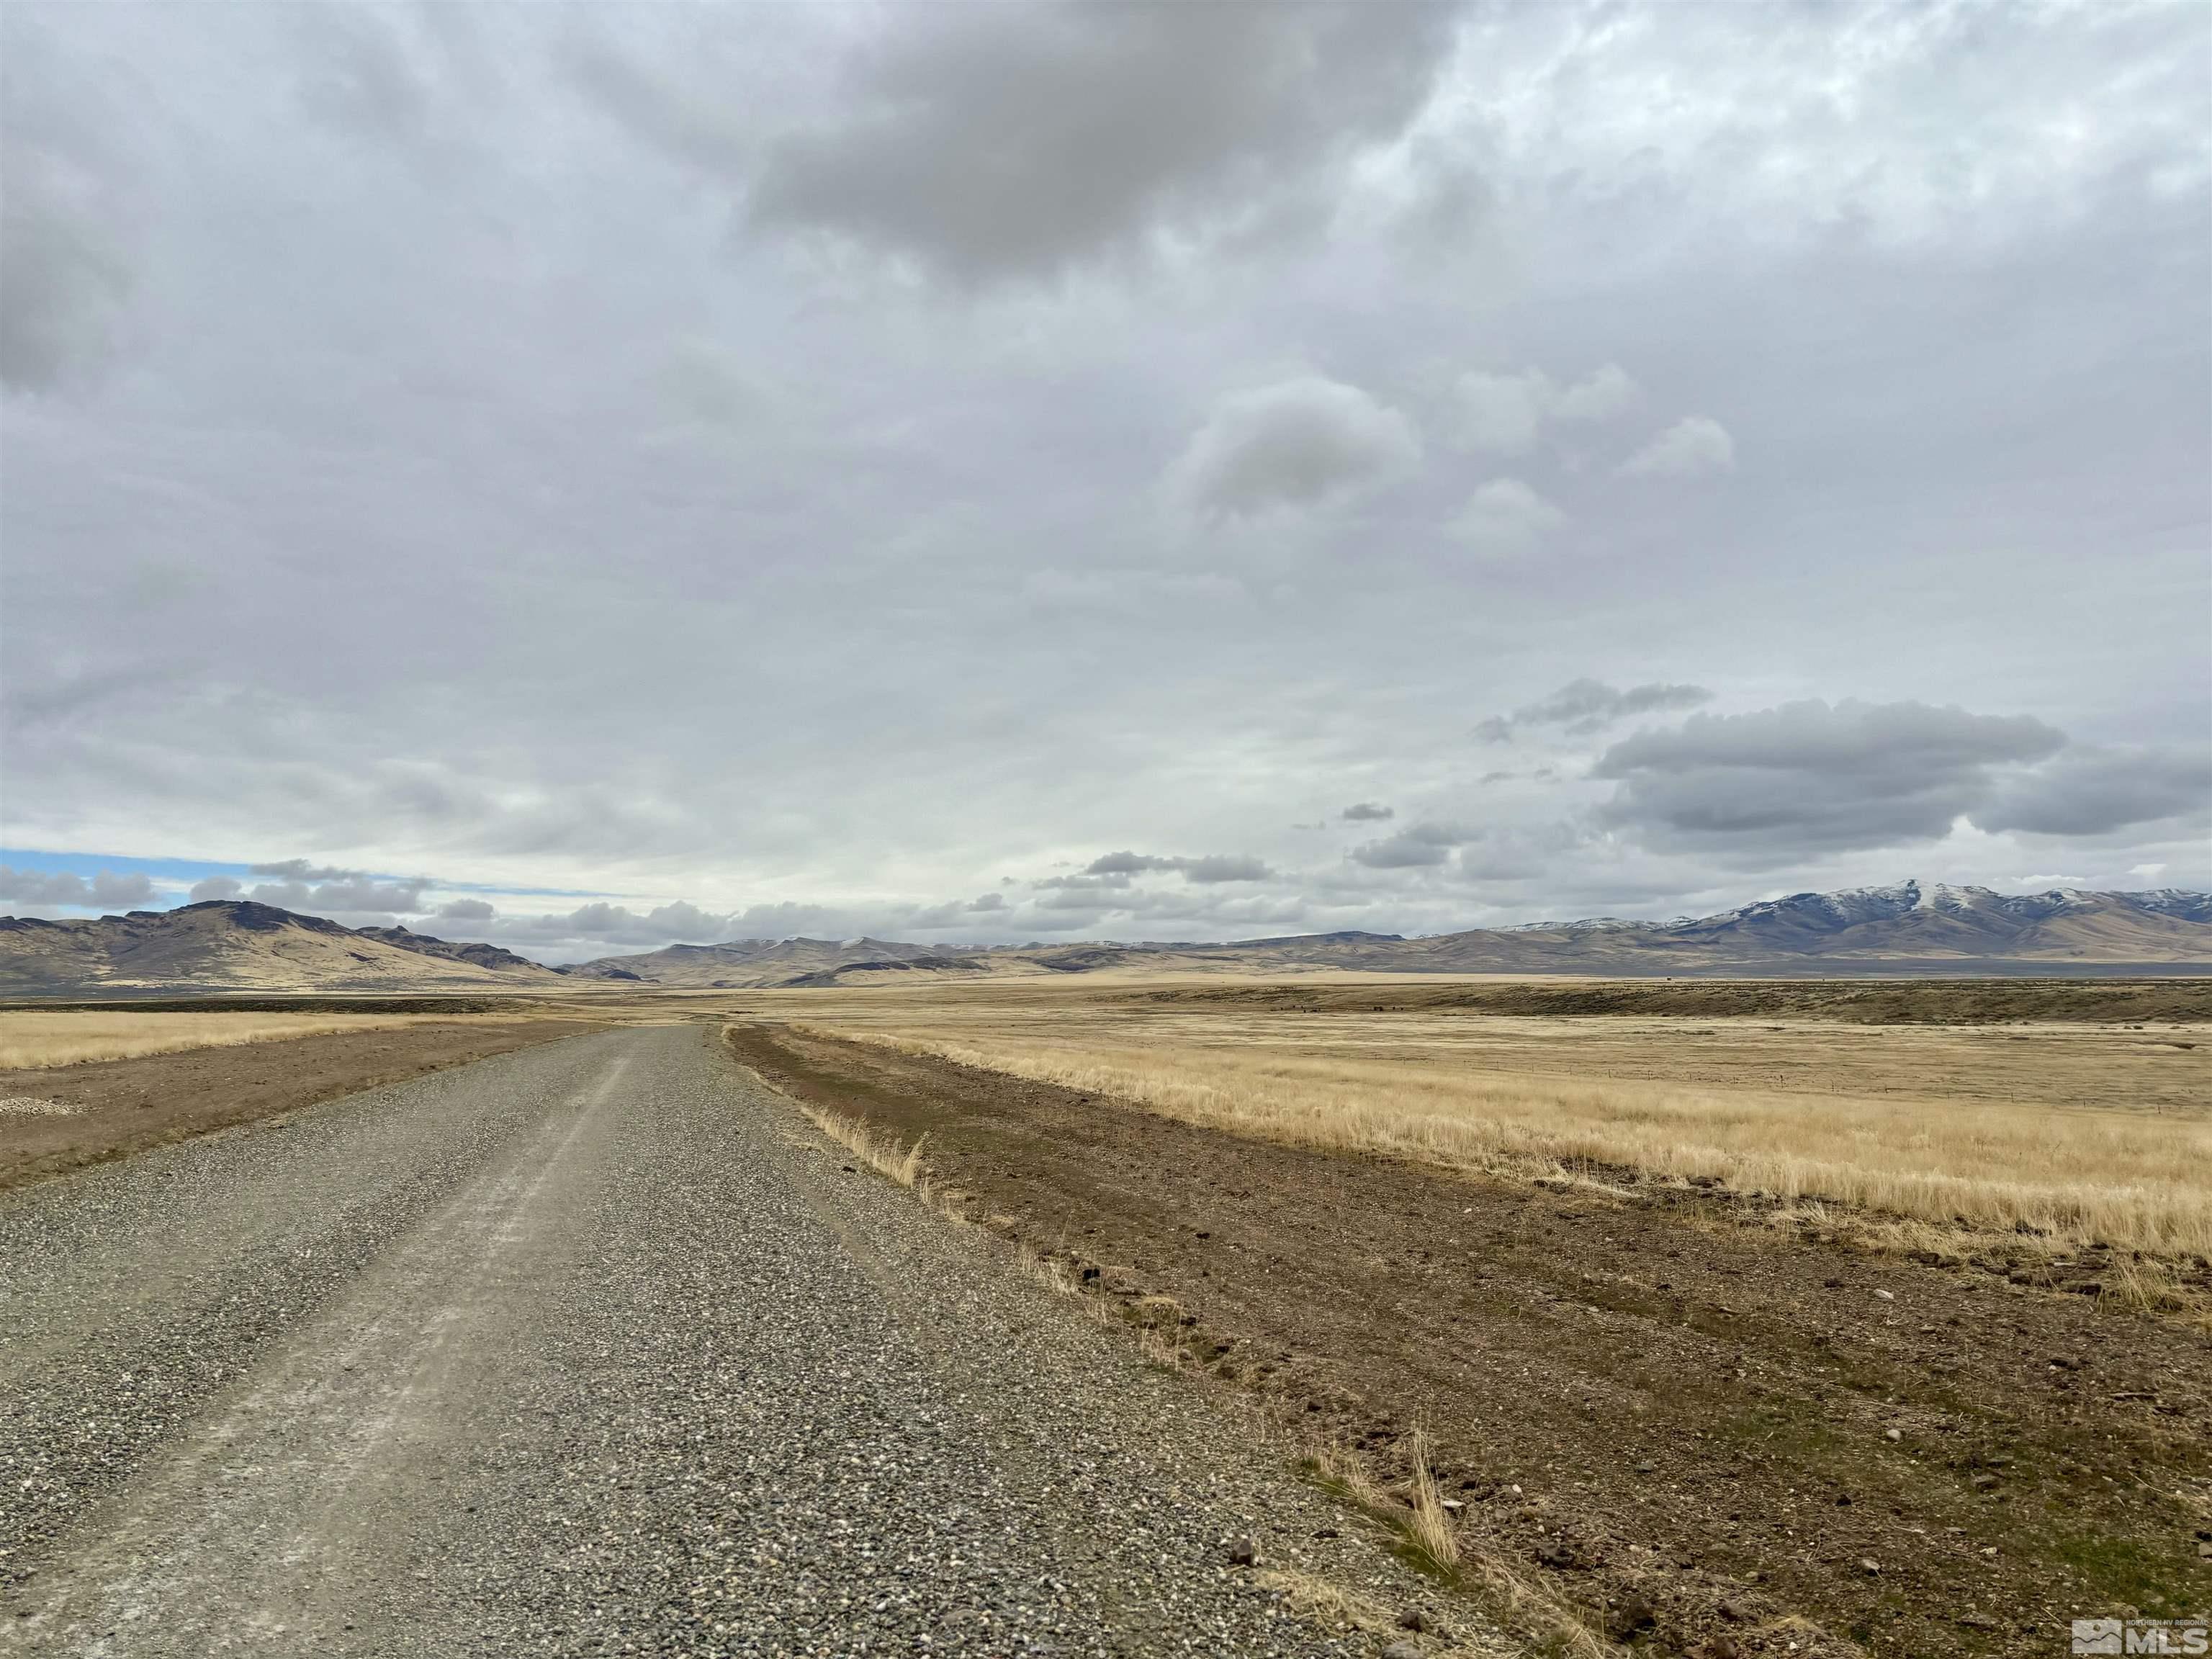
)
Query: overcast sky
[{"x": 584, "y": 477}]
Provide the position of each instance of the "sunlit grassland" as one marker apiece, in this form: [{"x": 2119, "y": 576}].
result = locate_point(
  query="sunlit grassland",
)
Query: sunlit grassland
[
  {"x": 2072, "y": 1135},
  {"x": 40, "y": 1039}
]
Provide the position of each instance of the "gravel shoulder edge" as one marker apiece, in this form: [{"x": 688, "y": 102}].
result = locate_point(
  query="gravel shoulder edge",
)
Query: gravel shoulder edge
[{"x": 994, "y": 1323}]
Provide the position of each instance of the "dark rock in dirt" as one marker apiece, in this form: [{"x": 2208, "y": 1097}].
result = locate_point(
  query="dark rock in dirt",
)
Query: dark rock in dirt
[{"x": 1634, "y": 1612}]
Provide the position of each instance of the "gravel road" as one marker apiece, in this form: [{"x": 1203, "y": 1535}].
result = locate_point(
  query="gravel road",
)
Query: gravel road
[{"x": 598, "y": 1348}]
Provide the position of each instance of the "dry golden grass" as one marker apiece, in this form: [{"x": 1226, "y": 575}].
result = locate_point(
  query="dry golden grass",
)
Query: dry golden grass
[
  {"x": 2073, "y": 1133},
  {"x": 1560, "y": 1630},
  {"x": 1431, "y": 1528},
  {"x": 882, "y": 1153},
  {"x": 38, "y": 1040}
]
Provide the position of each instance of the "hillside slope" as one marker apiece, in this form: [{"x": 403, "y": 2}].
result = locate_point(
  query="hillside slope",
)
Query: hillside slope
[
  {"x": 237, "y": 944},
  {"x": 751, "y": 963}
]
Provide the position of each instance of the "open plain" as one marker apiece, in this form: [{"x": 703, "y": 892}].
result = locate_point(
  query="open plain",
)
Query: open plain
[
  {"x": 1664, "y": 1300},
  {"x": 1597, "y": 1318}
]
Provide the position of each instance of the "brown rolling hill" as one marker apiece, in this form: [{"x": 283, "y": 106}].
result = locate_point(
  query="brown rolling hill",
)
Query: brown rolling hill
[
  {"x": 751, "y": 962},
  {"x": 236, "y": 944}
]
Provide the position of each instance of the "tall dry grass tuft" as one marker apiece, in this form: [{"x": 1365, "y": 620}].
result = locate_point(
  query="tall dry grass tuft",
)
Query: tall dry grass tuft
[
  {"x": 1340, "y": 1467},
  {"x": 1558, "y": 1628},
  {"x": 1431, "y": 1528},
  {"x": 885, "y": 1156}
]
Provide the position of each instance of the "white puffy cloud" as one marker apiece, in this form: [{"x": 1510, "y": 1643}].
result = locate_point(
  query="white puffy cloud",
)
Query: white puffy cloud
[
  {"x": 1695, "y": 446},
  {"x": 1505, "y": 518},
  {"x": 1507, "y": 413},
  {"x": 1309, "y": 442},
  {"x": 306, "y": 870},
  {"x": 351, "y": 894},
  {"x": 107, "y": 889}
]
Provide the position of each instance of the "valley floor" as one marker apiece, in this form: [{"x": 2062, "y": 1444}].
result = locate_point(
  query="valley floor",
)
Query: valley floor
[{"x": 1661, "y": 1415}]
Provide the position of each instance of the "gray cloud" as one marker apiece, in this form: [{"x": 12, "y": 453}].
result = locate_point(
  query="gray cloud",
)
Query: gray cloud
[
  {"x": 466, "y": 909},
  {"x": 107, "y": 890},
  {"x": 1126, "y": 864},
  {"x": 1016, "y": 144},
  {"x": 685, "y": 920},
  {"x": 1113, "y": 870},
  {"x": 589, "y": 374},
  {"x": 2094, "y": 791},
  {"x": 66, "y": 264},
  {"x": 1583, "y": 706},
  {"x": 1770, "y": 786},
  {"x": 601, "y": 924},
  {"x": 358, "y": 74},
  {"x": 1417, "y": 846},
  {"x": 214, "y": 887},
  {"x": 974, "y": 913},
  {"x": 1367, "y": 812},
  {"x": 1302, "y": 443}
]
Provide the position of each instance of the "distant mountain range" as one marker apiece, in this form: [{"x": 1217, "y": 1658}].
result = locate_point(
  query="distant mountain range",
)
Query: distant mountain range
[
  {"x": 1904, "y": 929},
  {"x": 236, "y": 945}
]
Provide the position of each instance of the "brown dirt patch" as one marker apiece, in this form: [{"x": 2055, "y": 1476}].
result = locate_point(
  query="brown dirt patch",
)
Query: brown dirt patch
[
  {"x": 1697, "y": 1412},
  {"x": 1915, "y": 1002},
  {"x": 125, "y": 1106}
]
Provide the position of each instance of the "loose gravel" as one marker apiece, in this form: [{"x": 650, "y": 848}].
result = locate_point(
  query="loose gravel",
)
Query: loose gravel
[
  {"x": 33, "y": 1106},
  {"x": 597, "y": 1348}
]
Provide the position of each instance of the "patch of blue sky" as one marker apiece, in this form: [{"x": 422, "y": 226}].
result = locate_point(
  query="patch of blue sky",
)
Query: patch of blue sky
[{"x": 174, "y": 878}]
